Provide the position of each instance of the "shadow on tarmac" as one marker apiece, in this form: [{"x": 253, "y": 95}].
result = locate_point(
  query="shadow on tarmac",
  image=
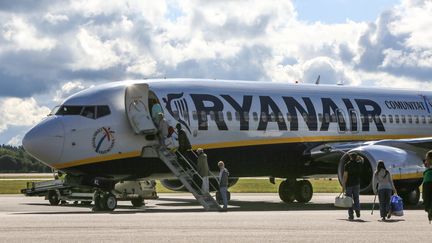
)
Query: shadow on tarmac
[{"x": 179, "y": 205}]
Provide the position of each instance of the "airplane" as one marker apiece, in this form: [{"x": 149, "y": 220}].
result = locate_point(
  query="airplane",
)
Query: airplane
[{"x": 295, "y": 132}]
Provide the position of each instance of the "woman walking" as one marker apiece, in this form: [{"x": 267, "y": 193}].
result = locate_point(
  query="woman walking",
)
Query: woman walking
[{"x": 383, "y": 185}]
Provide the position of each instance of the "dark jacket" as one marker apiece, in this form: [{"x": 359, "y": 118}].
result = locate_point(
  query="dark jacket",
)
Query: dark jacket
[
  {"x": 202, "y": 165},
  {"x": 224, "y": 178},
  {"x": 183, "y": 141}
]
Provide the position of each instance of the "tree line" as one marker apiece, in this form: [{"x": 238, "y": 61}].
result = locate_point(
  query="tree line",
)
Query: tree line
[{"x": 17, "y": 160}]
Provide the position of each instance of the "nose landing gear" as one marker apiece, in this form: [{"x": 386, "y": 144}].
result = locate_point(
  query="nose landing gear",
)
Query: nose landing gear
[{"x": 104, "y": 201}]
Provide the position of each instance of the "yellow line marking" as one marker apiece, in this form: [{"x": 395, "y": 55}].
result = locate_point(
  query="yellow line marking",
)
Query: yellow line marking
[
  {"x": 417, "y": 175},
  {"x": 97, "y": 159},
  {"x": 263, "y": 141}
]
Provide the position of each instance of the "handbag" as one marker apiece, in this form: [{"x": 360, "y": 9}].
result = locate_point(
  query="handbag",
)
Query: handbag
[{"x": 343, "y": 201}]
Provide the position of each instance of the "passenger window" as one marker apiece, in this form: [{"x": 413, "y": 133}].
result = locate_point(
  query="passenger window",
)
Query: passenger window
[
  {"x": 289, "y": 118},
  {"x": 409, "y": 119},
  {"x": 194, "y": 115},
  {"x": 281, "y": 118},
  {"x": 327, "y": 117},
  {"x": 384, "y": 118},
  {"x": 102, "y": 111},
  {"x": 89, "y": 112},
  {"x": 403, "y": 119},
  {"x": 264, "y": 117},
  {"x": 220, "y": 116},
  {"x": 212, "y": 115},
  {"x": 397, "y": 118},
  {"x": 416, "y": 119},
  {"x": 204, "y": 116},
  {"x": 423, "y": 119},
  {"x": 69, "y": 110},
  {"x": 320, "y": 117},
  {"x": 237, "y": 116},
  {"x": 430, "y": 119},
  {"x": 246, "y": 116},
  {"x": 255, "y": 116},
  {"x": 272, "y": 117},
  {"x": 229, "y": 116},
  {"x": 305, "y": 117},
  {"x": 390, "y": 118}
]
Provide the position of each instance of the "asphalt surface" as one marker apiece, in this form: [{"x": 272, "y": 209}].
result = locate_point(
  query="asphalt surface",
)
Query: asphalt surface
[{"x": 178, "y": 218}]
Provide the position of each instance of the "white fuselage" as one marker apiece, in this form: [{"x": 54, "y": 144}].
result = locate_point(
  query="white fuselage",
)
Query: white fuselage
[{"x": 230, "y": 115}]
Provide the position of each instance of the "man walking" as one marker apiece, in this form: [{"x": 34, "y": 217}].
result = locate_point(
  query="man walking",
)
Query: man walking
[
  {"x": 351, "y": 183},
  {"x": 203, "y": 170},
  {"x": 223, "y": 184}
]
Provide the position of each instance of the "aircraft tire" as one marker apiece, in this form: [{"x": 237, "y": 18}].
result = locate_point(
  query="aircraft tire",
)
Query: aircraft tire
[
  {"x": 137, "y": 202},
  {"x": 287, "y": 191},
  {"x": 110, "y": 202},
  {"x": 303, "y": 191},
  {"x": 53, "y": 198},
  {"x": 411, "y": 198}
]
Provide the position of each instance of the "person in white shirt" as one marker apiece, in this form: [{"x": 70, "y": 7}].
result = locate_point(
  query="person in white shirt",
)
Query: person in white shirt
[{"x": 384, "y": 187}]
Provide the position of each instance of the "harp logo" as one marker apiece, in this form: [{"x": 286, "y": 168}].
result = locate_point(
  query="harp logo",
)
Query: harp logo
[
  {"x": 178, "y": 108},
  {"x": 103, "y": 140}
]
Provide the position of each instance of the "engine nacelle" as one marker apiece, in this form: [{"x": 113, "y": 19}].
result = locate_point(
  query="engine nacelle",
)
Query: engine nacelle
[
  {"x": 402, "y": 164},
  {"x": 177, "y": 185}
]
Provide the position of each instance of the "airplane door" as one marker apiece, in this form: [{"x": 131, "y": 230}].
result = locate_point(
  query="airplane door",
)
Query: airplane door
[
  {"x": 137, "y": 110},
  {"x": 341, "y": 123}
]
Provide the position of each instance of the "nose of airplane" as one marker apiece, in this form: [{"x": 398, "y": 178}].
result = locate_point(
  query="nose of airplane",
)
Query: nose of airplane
[{"x": 45, "y": 140}]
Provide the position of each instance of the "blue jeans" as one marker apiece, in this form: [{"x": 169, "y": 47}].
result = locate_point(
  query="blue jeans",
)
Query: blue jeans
[
  {"x": 384, "y": 197},
  {"x": 354, "y": 193},
  {"x": 223, "y": 192}
]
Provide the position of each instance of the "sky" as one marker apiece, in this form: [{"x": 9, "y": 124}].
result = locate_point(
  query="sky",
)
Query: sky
[{"x": 52, "y": 49}]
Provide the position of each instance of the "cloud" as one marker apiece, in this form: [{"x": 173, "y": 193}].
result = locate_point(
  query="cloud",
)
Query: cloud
[
  {"x": 50, "y": 50},
  {"x": 20, "y": 112},
  {"x": 15, "y": 141}
]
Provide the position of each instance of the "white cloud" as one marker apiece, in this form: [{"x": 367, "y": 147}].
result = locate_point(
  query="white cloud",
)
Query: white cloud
[
  {"x": 15, "y": 141},
  {"x": 24, "y": 36},
  {"x": 68, "y": 89},
  {"x": 55, "y": 18},
  {"x": 20, "y": 112}
]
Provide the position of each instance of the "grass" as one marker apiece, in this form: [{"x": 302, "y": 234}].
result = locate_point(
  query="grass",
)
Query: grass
[{"x": 242, "y": 186}]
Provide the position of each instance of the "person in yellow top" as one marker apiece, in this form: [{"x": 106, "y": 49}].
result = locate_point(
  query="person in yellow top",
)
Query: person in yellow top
[{"x": 427, "y": 185}]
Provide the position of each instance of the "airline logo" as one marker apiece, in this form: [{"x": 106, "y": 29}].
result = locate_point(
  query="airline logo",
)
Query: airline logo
[
  {"x": 271, "y": 111},
  {"x": 103, "y": 140}
]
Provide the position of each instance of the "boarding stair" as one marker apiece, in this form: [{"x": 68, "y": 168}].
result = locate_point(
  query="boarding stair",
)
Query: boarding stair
[{"x": 186, "y": 172}]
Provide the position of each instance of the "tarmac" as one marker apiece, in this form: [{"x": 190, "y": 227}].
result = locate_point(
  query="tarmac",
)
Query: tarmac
[{"x": 178, "y": 218}]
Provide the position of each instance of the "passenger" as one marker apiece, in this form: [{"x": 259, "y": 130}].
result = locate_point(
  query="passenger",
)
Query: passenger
[
  {"x": 183, "y": 140},
  {"x": 383, "y": 184},
  {"x": 156, "y": 108},
  {"x": 203, "y": 170},
  {"x": 351, "y": 183},
  {"x": 162, "y": 128},
  {"x": 427, "y": 185},
  {"x": 223, "y": 184}
]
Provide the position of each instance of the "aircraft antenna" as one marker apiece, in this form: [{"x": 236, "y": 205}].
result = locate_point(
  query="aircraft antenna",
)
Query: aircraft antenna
[{"x": 318, "y": 80}]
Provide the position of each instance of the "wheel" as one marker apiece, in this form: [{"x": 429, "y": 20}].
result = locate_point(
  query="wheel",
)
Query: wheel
[
  {"x": 287, "y": 191},
  {"x": 137, "y": 202},
  {"x": 303, "y": 191},
  {"x": 53, "y": 198},
  {"x": 411, "y": 198},
  {"x": 110, "y": 202}
]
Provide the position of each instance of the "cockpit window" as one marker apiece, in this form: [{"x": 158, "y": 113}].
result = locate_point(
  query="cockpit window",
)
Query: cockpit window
[
  {"x": 67, "y": 110},
  {"x": 103, "y": 110},
  {"x": 54, "y": 110},
  {"x": 89, "y": 112},
  {"x": 92, "y": 112}
]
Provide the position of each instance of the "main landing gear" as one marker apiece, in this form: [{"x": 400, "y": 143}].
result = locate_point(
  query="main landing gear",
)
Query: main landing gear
[
  {"x": 104, "y": 201},
  {"x": 410, "y": 197},
  {"x": 291, "y": 189}
]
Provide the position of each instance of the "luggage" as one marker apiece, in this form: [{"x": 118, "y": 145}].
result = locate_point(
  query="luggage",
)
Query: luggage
[
  {"x": 396, "y": 205},
  {"x": 343, "y": 201}
]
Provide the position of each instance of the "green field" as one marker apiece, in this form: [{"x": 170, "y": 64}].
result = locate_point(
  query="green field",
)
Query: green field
[{"x": 242, "y": 186}]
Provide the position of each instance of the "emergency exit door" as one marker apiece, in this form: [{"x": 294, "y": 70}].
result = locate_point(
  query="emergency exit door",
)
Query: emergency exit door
[{"x": 137, "y": 109}]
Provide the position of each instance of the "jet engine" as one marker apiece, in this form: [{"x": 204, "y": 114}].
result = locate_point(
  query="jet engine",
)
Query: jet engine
[
  {"x": 406, "y": 167},
  {"x": 177, "y": 185}
]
